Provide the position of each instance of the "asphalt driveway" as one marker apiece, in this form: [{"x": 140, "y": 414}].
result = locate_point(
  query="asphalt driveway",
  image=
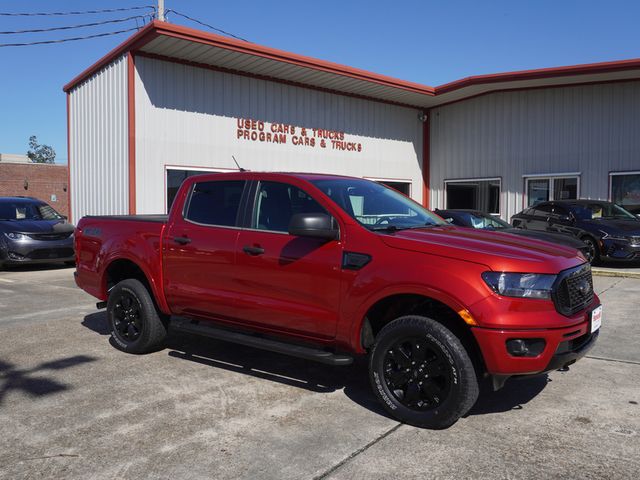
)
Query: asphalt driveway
[{"x": 71, "y": 406}]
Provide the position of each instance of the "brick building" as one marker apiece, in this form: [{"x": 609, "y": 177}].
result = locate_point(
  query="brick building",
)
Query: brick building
[{"x": 49, "y": 183}]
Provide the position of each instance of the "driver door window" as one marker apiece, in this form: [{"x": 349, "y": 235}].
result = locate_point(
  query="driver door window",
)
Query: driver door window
[{"x": 277, "y": 202}]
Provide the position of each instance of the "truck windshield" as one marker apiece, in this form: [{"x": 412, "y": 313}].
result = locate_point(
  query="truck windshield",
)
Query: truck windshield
[
  {"x": 18, "y": 210},
  {"x": 375, "y": 206}
]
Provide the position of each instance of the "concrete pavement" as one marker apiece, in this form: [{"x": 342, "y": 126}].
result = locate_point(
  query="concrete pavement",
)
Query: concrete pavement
[{"x": 71, "y": 406}]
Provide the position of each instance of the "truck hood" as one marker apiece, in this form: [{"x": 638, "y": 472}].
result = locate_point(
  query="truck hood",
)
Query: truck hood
[{"x": 497, "y": 251}]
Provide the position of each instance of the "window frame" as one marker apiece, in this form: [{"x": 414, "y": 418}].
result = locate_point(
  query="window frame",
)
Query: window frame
[
  {"x": 240, "y": 215},
  {"x": 384, "y": 180},
  {"x": 618, "y": 174},
  {"x": 478, "y": 179},
  {"x": 549, "y": 177}
]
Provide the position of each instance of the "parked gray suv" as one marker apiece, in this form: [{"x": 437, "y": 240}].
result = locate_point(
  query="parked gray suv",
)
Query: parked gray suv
[{"x": 33, "y": 232}]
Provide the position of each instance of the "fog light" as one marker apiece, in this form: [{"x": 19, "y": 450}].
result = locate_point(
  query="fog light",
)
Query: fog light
[
  {"x": 525, "y": 347},
  {"x": 15, "y": 256}
]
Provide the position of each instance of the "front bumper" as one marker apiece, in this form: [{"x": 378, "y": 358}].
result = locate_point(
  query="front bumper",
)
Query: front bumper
[
  {"x": 619, "y": 250},
  {"x": 563, "y": 346},
  {"x": 21, "y": 252}
]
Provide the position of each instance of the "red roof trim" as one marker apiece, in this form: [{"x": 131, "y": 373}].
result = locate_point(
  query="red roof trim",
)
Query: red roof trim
[
  {"x": 156, "y": 28},
  {"x": 583, "y": 69},
  {"x": 134, "y": 42}
]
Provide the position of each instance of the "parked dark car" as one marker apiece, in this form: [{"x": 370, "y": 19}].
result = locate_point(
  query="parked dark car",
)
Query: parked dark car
[
  {"x": 610, "y": 231},
  {"x": 33, "y": 232},
  {"x": 485, "y": 221}
]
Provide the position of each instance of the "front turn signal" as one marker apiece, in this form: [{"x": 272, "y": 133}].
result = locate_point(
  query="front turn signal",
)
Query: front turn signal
[{"x": 467, "y": 317}]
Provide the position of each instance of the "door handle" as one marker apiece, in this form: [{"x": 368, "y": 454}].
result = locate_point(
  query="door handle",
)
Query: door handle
[
  {"x": 253, "y": 250},
  {"x": 182, "y": 240}
]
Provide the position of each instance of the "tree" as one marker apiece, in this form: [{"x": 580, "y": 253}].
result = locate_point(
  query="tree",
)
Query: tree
[{"x": 40, "y": 153}]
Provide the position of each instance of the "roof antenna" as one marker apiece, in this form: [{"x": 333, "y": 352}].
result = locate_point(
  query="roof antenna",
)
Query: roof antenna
[{"x": 237, "y": 164}]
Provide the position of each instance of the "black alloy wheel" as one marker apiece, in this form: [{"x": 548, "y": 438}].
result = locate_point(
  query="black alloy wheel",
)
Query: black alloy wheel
[
  {"x": 135, "y": 323},
  {"x": 416, "y": 373},
  {"x": 422, "y": 373},
  {"x": 127, "y": 320}
]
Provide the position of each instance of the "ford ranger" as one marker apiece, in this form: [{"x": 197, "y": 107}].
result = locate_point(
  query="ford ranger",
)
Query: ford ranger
[{"x": 329, "y": 268}]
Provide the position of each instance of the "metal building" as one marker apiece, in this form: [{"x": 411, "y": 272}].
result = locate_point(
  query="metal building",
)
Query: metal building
[{"x": 173, "y": 101}]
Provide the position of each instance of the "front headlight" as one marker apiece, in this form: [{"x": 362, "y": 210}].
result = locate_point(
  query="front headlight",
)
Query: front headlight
[
  {"x": 523, "y": 285},
  {"x": 16, "y": 236}
]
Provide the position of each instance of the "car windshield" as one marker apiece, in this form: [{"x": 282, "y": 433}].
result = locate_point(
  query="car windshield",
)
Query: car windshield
[
  {"x": 594, "y": 211},
  {"x": 24, "y": 210},
  {"x": 375, "y": 206},
  {"x": 482, "y": 221}
]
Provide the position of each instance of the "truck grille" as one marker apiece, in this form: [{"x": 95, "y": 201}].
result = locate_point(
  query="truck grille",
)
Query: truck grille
[
  {"x": 573, "y": 290},
  {"x": 49, "y": 236}
]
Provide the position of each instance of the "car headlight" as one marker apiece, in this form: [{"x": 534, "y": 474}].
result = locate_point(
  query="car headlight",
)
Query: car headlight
[
  {"x": 16, "y": 236},
  {"x": 523, "y": 285}
]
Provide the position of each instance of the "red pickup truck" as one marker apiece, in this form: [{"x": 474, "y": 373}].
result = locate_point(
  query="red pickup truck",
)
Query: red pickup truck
[{"x": 327, "y": 268}]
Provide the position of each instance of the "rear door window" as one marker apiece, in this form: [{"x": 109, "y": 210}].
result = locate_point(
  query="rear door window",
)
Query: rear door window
[{"x": 215, "y": 202}]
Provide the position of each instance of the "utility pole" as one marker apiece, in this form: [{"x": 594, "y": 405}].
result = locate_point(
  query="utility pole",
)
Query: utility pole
[{"x": 160, "y": 14}]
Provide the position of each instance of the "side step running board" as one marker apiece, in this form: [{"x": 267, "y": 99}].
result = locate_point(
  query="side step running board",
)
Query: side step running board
[{"x": 309, "y": 353}]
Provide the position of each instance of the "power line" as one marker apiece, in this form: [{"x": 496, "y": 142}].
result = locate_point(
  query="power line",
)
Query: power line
[
  {"x": 93, "y": 24},
  {"x": 61, "y": 40},
  {"x": 86, "y": 12},
  {"x": 207, "y": 25}
]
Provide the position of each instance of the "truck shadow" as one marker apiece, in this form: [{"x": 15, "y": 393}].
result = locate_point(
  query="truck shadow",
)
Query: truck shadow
[{"x": 353, "y": 380}]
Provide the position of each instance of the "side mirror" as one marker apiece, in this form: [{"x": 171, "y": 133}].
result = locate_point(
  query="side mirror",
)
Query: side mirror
[{"x": 314, "y": 225}]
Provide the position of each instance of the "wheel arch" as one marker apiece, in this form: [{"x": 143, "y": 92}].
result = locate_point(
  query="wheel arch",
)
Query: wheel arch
[
  {"x": 440, "y": 308},
  {"x": 122, "y": 268}
]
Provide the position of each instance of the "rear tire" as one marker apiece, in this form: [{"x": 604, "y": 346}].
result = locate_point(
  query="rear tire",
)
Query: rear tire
[
  {"x": 421, "y": 373},
  {"x": 135, "y": 324}
]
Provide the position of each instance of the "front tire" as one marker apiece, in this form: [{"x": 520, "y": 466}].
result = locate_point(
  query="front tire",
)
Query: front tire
[
  {"x": 593, "y": 254},
  {"x": 135, "y": 324},
  {"x": 421, "y": 373}
]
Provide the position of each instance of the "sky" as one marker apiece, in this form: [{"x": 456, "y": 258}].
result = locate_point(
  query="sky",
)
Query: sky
[{"x": 429, "y": 42}]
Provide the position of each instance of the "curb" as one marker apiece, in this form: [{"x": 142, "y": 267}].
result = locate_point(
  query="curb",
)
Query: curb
[{"x": 604, "y": 272}]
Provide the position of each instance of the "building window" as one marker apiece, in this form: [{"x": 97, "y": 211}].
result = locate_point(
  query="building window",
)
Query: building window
[
  {"x": 625, "y": 190},
  {"x": 544, "y": 188},
  {"x": 476, "y": 194},
  {"x": 402, "y": 187},
  {"x": 175, "y": 177}
]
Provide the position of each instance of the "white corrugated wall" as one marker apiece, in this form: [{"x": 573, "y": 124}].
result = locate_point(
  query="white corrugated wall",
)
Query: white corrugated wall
[
  {"x": 98, "y": 143},
  {"x": 188, "y": 116},
  {"x": 592, "y": 129}
]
